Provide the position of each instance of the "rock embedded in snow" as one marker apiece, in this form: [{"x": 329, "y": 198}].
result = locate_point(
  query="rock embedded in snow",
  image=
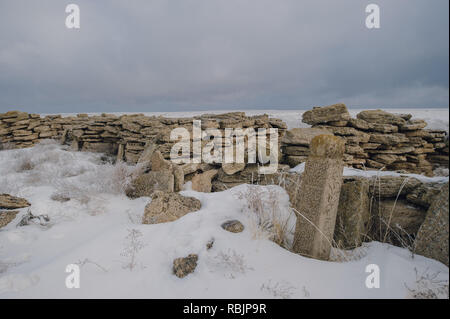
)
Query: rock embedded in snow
[
  {"x": 432, "y": 238},
  {"x": 353, "y": 216},
  {"x": 202, "y": 182},
  {"x": 320, "y": 187},
  {"x": 168, "y": 207},
  {"x": 12, "y": 202},
  {"x": 185, "y": 265},
  {"x": 146, "y": 184},
  {"x": 233, "y": 226},
  {"x": 7, "y": 216}
]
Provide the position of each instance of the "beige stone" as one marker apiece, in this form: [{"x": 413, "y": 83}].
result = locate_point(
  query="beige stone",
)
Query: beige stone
[
  {"x": 168, "y": 207},
  {"x": 432, "y": 237},
  {"x": 320, "y": 188},
  {"x": 147, "y": 184},
  {"x": 12, "y": 202},
  {"x": 7, "y": 216},
  {"x": 332, "y": 113},
  {"x": 202, "y": 182},
  {"x": 353, "y": 216}
]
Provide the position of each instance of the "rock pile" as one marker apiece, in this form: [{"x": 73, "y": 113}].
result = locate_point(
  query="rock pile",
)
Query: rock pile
[{"x": 374, "y": 139}]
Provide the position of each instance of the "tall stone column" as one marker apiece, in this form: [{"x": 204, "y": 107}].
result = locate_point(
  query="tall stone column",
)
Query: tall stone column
[{"x": 319, "y": 197}]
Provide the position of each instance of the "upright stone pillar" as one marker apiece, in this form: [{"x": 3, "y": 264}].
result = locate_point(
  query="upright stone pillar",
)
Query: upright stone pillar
[{"x": 319, "y": 197}]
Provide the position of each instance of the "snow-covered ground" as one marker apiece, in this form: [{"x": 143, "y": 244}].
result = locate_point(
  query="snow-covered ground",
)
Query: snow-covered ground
[
  {"x": 91, "y": 229},
  {"x": 437, "y": 118}
]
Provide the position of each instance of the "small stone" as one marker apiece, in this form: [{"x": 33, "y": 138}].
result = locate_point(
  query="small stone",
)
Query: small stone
[
  {"x": 233, "y": 226},
  {"x": 168, "y": 207},
  {"x": 12, "y": 202},
  {"x": 185, "y": 265},
  {"x": 7, "y": 216}
]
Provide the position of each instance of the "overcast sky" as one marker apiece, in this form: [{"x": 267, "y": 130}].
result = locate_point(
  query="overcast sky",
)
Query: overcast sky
[{"x": 146, "y": 55}]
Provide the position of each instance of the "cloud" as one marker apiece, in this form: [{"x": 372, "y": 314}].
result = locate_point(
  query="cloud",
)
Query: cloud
[{"x": 148, "y": 55}]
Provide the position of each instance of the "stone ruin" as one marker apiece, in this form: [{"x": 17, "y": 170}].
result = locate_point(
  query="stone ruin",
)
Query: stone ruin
[{"x": 366, "y": 209}]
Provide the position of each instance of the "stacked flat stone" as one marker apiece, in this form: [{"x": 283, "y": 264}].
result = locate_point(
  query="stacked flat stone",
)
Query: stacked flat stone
[
  {"x": 374, "y": 139},
  {"x": 126, "y": 135}
]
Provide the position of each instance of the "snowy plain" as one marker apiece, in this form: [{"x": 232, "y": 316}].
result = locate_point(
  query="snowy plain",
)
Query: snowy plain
[{"x": 91, "y": 230}]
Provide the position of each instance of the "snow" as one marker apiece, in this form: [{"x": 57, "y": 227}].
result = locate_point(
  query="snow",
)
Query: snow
[
  {"x": 437, "y": 118},
  {"x": 91, "y": 229},
  {"x": 349, "y": 171}
]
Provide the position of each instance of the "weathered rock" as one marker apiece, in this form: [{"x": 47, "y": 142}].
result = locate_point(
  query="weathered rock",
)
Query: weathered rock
[
  {"x": 158, "y": 163},
  {"x": 432, "y": 238},
  {"x": 148, "y": 183},
  {"x": 147, "y": 154},
  {"x": 202, "y": 182},
  {"x": 413, "y": 125},
  {"x": 320, "y": 187},
  {"x": 392, "y": 186},
  {"x": 233, "y": 226},
  {"x": 360, "y": 124},
  {"x": 381, "y": 117},
  {"x": 401, "y": 216},
  {"x": 12, "y": 202},
  {"x": 353, "y": 216},
  {"x": 388, "y": 139},
  {"x": 185, "y": 265},
  {"x": 109, "y": 148},
  {"x": 336, "y": 112},
  {"x": 424, "y": 194},
  {"x": 7, "y": 216},
  {"x": 168, "y": 207},
  {"x": 232, "y": 168},
  {"x": 302, "y": 136},
  {"x": 178, "y": 175}
]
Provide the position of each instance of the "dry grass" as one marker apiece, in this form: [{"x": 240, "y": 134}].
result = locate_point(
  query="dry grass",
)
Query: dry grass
[
  {"x": 428, "y": 286},
  {"x": 267, "y": 219}
]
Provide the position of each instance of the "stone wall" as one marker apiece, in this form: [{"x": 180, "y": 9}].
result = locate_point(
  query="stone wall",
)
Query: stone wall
[
  {"x": 124, "y": 135},
  {"x": 374, "y": 139}
]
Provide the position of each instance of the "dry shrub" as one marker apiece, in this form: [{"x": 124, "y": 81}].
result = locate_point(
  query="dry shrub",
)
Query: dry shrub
[
  {"x": 428, "y": 286},
  {"x": 268, "y": 219}
]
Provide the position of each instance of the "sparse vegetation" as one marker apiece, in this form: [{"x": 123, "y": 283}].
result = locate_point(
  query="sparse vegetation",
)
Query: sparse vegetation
[
  {"x": 133, "y": 244},
  {"x": 268, "y": 219},
  {"x": 428, "y": 286}
]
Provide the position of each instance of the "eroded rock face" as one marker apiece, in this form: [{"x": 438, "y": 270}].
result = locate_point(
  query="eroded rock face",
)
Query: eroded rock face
[
  {"x": 233, "y": 226},
  {"x": 168, "y": 207},
  {"x": 320, "y": 187},
  {"x": 332, "y": 113},
  {"x": 401, "y": 216},
  {"x": 432, "y": 238},
  {"x": 185, "y": 265},
  {"x": 12, "y": 202},
  {"x": 7, "y": 216},
  {"x": 392, "y": 186},
  {"x": 381, "y": 117},
  {"x": 233, "y": 168},
  {"x": 150, "y": 182},
  {"x": 353, "y": 216},
  {"x": 425, "y": 194},
  {"x": 202, "y": 182},
  {"x": 302, "y": 136}
]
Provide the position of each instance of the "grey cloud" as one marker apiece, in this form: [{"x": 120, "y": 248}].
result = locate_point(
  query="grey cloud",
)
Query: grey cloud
[{"x": 221, "y": 54}]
